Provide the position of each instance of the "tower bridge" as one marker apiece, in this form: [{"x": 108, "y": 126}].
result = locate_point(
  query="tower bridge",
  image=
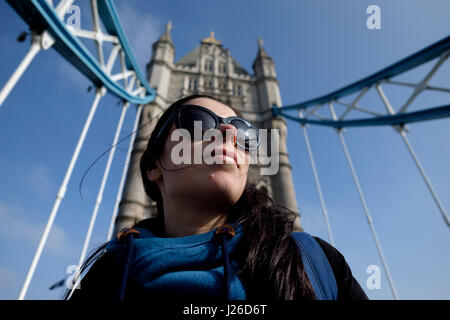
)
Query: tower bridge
[{"x": 211, "y": 69}]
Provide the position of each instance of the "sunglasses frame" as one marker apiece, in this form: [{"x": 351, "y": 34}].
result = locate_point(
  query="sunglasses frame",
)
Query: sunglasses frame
[{"x": 218, "y": 120}]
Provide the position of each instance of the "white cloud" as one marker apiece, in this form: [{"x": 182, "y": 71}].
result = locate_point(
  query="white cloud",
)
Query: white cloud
[
  {"x": 38, "y": 178},
  {"x": 16, "y": 227},
  {"x": 70, "y": 73},
  {"x": 8, "y": 284},
  {"x": 141, "y": 28}
]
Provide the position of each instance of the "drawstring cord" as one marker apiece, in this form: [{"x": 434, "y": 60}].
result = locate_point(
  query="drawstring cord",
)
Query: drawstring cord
[
  {"x": 128, "y": 235},
  {"x": 224, "y": 232}
]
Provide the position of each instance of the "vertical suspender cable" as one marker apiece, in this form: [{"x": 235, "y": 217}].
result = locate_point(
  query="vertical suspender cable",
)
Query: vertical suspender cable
[
  {"x": 316, "y": 178},
  {"x": 425, "y": 178},
  {"x": 61, "y": 192},
  {"x": 401, "y": 131},
  {"x": 34, "y": 49},
  {"x": 124, "y": 174},
  {"x": 365, "y": 208},
  {"x": 98, "y": 201}
]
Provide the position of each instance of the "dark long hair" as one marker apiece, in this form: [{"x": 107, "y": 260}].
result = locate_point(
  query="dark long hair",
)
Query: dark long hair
[{"x": 271, "y": 266}]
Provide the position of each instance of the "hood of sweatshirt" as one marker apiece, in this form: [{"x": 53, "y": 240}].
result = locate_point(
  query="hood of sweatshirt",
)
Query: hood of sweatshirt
[{"x": 196, "y": 266}]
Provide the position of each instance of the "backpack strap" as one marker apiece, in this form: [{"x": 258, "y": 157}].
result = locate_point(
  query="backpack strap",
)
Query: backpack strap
[{"x": 317, "y": 266}]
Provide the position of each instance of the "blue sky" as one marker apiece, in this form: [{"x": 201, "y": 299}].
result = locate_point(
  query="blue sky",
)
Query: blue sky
[{"x": 318, "y": 46}]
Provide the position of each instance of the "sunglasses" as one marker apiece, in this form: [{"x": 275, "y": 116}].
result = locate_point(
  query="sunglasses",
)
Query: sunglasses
[{"x": 186, "y": 116}]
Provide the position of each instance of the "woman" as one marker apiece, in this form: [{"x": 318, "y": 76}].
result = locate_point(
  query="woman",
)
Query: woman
[{"x": 214, "y": 237}]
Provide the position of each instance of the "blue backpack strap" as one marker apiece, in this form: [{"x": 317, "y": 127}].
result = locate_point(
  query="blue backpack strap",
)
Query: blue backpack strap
[{"x": 317, "y": 266}]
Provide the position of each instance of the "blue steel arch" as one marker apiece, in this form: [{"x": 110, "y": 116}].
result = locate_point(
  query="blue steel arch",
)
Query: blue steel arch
[
  {"x": 398, "y": 119},
  {"x": 433, "y": 51},
  {"x": 40, "y": 16}
]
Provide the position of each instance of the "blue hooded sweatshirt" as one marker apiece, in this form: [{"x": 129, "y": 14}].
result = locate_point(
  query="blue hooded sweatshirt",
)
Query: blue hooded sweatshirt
[{"x": 191, "y": 266}]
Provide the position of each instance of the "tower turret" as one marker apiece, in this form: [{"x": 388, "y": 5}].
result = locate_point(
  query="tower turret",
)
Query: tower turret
[
  {"x": 268, "y": 90},
  {"x": 161, "y": 63}
]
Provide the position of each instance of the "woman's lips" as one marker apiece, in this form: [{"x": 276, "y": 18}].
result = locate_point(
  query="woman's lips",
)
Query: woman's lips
[{"x": 224, "y": 153}]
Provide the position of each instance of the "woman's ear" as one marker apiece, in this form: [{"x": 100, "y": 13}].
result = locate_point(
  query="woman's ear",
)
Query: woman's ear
[{"x": 154, "y": 174}]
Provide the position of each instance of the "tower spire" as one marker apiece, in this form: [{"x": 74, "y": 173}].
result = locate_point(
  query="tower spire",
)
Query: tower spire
[
  {"x": 260, "y": 43},
  {"x": 168, "y": 27},
  {"x": 261, "y": 52},
  {"x": 166, "y": 37}
]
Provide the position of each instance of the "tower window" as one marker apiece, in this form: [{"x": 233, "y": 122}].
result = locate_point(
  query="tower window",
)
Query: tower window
[
  {"x": 192, "y": 84},
  {"x": 208, "y": 65},
  {"x": 237, "y": 90},
  {"x": 222, "y": 67}
]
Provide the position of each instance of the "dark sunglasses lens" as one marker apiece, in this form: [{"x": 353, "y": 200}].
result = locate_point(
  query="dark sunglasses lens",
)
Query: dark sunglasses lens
[
  {"x": 247, "y": 136},
  {"x": 190, "y": 118}
]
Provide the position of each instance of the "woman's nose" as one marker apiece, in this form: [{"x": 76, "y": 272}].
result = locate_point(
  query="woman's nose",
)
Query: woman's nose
[{"x": 229, "y": 133}]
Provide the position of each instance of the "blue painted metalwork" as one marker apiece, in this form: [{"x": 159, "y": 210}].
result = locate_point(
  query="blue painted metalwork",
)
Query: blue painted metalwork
[
  {"x": 40, "y": 16},
  {"x": 406, "y": 64},
  {"x": 108, "y": 14},
  {"x": 414, "y": 60},
  {"x": 397, "y": 119}
]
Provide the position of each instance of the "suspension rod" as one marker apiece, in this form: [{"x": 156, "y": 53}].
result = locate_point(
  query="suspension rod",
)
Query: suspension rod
[
  {"x": 34, "y": 49},
  {"x": 425, "y": 178},
  {"x": 98, "y": 201},
  {"x": 316, "y": 178},
  {"x": 401, "y": 131},
  {"x": 365, "y": 208},
  {"x": 124, "y": 174},
  {"x": 60, "y": 195}
]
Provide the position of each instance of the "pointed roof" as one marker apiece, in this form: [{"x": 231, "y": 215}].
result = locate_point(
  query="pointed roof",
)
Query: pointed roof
[
  {"x": 261, "y": 52},
  {"x": 166, "y": 37},
  {"x": 191, "y": 58},
  {"x": 238, "y": 69}
]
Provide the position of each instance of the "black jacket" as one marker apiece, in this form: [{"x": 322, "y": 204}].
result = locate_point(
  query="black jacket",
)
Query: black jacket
[{"x": 348, "y": 287}]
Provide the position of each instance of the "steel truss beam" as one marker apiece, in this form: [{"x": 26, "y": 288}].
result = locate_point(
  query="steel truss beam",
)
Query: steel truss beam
[
  {"x": 440, "y": 50},
  {"x": 41, "y": 16}
]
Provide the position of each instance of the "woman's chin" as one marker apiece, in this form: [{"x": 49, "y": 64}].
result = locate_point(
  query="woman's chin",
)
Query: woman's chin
[{"x": 225, "y": 185}]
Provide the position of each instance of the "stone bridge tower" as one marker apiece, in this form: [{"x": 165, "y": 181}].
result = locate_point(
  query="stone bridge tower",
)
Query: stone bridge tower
[{"x": 209, "y": 69}]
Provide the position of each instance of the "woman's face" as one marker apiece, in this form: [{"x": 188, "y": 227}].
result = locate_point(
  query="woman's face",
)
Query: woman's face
[{"x": 212, "y": 185}]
